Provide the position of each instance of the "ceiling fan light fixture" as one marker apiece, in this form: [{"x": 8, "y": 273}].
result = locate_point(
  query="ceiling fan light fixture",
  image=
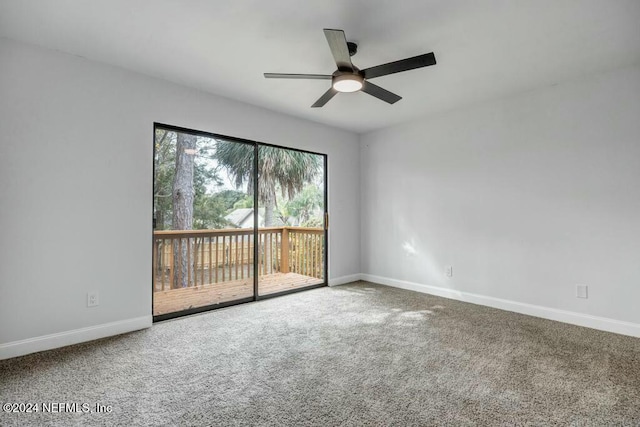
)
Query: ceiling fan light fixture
[{"x": 348, "y": 82}]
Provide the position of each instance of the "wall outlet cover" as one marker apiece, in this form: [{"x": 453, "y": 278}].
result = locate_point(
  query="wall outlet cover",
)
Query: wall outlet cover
[
  {"x": 582, "y": 291},
  {"x": 448, "y": 271},
  {"x": 92, "y": 299}
]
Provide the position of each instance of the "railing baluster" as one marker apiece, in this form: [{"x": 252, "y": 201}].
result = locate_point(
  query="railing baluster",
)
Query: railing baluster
[
  {"x": 313, "y": 255},
  {"x": 310, "y": 238},
  {"x": 209, "y": 255},
  {"x": 264, "y": 253},
  {"x": 270, "y": 265},
  {"x": 242, "y": 256},
  {"x": 217, "y": 247},
  {"x": 308, "y": 253},
  {"x": 258, "y": 261},
  {"x": 302, "y": 251},
  {"x": 252, "y": 254},
  {"x": 318, "y": 255},
  {"x": 172, "y": 269},
  {"x": 179, "y": 266},
  {"x": 260, "y": 255},
  {"x": 267, "y": 253},
  {"x": 161, "y": 265},
  {"x": 154, "y": 263},
  {"x": 248, "y": 256},
  {"x": 277, "y": 245},
  {"x": 224, "y": 256},
  {"x": 164, "y": 260},
  {"x": 177, "y": 253},
  {"x": 201, "y": 262},
  {"x": 284, "y": 251},
  {"x": 159, "y": 247},
  {"x": 236, "y": 257},
  {"x": 322, "y": 260},
  {"x": 188, "y": 263}
]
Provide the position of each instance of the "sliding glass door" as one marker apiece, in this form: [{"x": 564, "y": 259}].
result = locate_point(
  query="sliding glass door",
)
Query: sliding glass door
[{"x": 211, "y": 247}]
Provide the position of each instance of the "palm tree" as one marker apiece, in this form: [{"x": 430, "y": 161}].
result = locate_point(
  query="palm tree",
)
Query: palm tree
[{"x": 277, "y": 167}]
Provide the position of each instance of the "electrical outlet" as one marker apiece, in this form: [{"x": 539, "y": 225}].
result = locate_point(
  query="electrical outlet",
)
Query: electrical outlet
[
  {"x": 448, "y": 271},
  {"x": 582, "y": 291},
  {"x": 92, "y": 299}
]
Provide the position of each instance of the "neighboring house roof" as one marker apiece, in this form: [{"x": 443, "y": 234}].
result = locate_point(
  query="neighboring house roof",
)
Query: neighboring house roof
[
  {"x": 239, "y": 216},
  {"x": 243, "y": 218}
]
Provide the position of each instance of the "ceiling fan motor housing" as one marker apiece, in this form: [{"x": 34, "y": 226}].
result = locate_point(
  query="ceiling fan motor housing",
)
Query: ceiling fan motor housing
[{"x": 353, "y": 48}]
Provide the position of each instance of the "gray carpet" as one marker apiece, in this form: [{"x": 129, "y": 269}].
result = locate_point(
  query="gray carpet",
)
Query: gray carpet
[{"x": 359, "y": 354}]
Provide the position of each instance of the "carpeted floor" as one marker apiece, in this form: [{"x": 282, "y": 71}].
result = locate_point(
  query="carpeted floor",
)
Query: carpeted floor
[{"x": 358, "y": 354}]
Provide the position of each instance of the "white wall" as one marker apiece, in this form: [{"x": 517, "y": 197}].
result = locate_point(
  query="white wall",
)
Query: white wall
[
  {"x": 76, "y": 189},
  {"x": 525, "y": 197}
]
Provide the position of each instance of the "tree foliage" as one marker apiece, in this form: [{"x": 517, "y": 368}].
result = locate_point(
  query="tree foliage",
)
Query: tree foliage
[
  {"x": 278, "y": 168},
  {"x": 288, "y": 184},
  {"x": 307, "y": 204},
  {"x": 209, "y": 209}
]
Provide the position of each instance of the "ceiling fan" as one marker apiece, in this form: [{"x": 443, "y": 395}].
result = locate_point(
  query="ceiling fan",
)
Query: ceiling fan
[{"x": 349, "y": 78}]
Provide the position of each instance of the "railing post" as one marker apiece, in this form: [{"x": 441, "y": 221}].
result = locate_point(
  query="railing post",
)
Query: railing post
[
  {"x": 154, "y": 262},
  {"x": 284, "y": 267}
]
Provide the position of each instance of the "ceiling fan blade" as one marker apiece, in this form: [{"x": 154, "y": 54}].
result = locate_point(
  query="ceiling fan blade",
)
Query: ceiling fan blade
[
  {"x": 338, "y": 45},
  {"x": 297, "y": 76},
  {"x": 325, "y": 98},
  {"x": 401, "y": 65},
  {"x": 380, "y": 93}
]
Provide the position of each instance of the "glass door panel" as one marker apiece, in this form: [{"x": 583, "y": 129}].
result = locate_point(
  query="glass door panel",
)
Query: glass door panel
[
  {"x": 203, "y": 250},
  {"x": 291, "y": 215}
]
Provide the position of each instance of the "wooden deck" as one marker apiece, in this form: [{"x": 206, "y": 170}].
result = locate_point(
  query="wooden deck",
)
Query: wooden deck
[{"x": 172, "y": 300}]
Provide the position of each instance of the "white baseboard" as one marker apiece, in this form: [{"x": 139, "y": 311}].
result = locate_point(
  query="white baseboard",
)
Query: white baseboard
[
  {"x": 48, "y": 342},
  {"x": 61, "y": 339},
  {"x": 580, "y": 319},
  {"x": 344, "y": 279}
]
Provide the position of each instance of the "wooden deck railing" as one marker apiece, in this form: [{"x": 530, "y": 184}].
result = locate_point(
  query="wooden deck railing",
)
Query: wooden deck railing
[{"x": 185, "y": 258}]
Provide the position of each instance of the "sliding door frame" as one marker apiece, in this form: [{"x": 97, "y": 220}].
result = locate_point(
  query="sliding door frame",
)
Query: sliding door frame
[{"x": 256, "y": 297}]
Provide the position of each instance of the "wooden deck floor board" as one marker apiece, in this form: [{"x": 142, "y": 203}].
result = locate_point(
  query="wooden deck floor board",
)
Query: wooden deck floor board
[{"x": 173, "y": 300}]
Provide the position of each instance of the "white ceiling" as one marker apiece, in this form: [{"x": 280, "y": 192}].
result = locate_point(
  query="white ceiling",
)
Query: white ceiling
[{"x": 485, "y": 49}]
